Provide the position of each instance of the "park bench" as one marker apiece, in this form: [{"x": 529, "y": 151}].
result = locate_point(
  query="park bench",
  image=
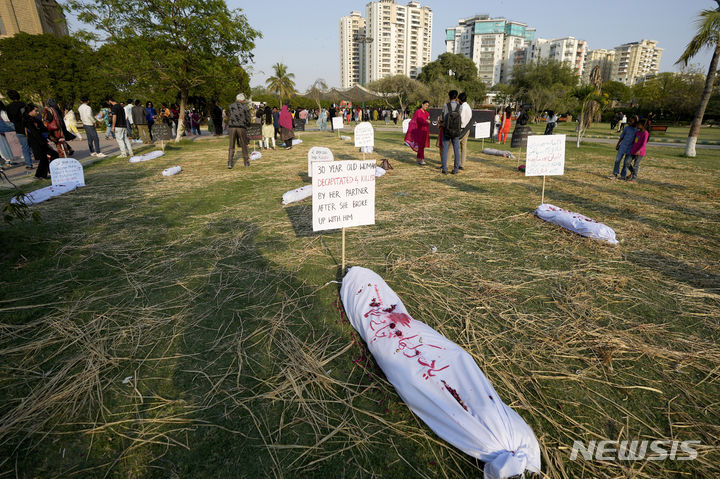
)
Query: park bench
[{"x": 658, "y": 128}]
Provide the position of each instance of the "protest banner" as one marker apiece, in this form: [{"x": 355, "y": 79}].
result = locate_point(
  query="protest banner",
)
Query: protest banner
[
  {"x": 482, "y": 130},
  {"x": 545, "y": 156},
  {"x": 67, "y": 171},
  {"x": 343, "y": 195},
  {"x": 318, "y": 153}
]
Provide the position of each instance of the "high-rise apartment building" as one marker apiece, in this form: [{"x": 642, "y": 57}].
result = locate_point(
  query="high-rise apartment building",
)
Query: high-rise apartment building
[
  {"x": 31, "y": 16},
  {"x": 352, "y": 50},
  {"x": 402, "y": 39},
  {"x": 495, "y": 45},
  {"x": 601, "y": 58},
  {"x": 568, "y": 50},
  {"x": 392, "y": 39},
  {"x": 636, "y": 61}
]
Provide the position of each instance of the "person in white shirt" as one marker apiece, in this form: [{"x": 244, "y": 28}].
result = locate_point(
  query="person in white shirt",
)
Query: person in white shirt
[
  {"x": 128, "y": 115},
  {"x": 395, "y": 116},
  {"x": 465, "y": 118},
  {"x": 88, "y": 121}
]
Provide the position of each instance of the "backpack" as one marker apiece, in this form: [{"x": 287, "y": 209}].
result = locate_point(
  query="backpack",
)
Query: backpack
[{"x": 453, "y": 122}]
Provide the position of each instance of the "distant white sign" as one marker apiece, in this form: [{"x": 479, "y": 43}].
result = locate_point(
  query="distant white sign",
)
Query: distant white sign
[
  {"x": 67, "y": 171},
  {"x": 337, "y": 123},
  {"x": 364, "y": 135},
  {"x": 318, "y": 153},
  {"x": 343, "y": 194},
  {"x": 545, "y": 155},
  {"x": 406, "y": 125},
  {"x": 482, "y": 130}
]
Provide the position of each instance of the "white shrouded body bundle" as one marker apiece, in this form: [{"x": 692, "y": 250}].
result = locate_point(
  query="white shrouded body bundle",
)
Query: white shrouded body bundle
[
  {"x": 44, "y": 194},
  {"x": 438, "y": 380},
  {"x": 494, "y": 152},
  {"x": 576, "y": 223},
  {"x": 298, "y": 194},
  {"x": 147, "y": 156},
  {"x": 174, "y": 170}
]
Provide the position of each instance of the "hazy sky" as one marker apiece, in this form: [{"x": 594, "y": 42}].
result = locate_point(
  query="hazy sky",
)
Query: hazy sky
[{"x": 303, "y": 34}]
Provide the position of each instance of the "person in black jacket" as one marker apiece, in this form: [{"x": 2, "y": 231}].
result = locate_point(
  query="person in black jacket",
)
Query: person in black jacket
[
  {"x": 37, "y": 138},
  {"x": 238, "y": 122},
  {"x": 216, "y": 114}
]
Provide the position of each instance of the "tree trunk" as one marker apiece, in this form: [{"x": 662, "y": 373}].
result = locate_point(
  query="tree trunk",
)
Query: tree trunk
[
  {"x": 580, "y": 124},
  {"x": 707, "y": 92},
  {"x": 181, "y": 115}
]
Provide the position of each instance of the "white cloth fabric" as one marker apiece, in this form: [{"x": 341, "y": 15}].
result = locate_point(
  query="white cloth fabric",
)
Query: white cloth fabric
[
  {"x": 576, "y": 223},
  {"x": 345, "y": 138},
  {"x": 128, "y": 114},
  {"x": 86, "y": 116},
  {"x": 465, "y": 114},
  {"x": 296, "y": 142},
  {"x": 255, "y": 155},
  {"x": 379, "y": 171},
  {"x": 147, "y": 156},
  {"x": 494, "y": 152},
  {"x": 44, "y": 194},
  {"x": 438, "y": 380},
  {"x": 171, "y": 171},
  {"x": 298, "y": 194}
]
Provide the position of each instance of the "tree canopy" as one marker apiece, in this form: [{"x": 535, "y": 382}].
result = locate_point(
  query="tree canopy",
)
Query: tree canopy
[
  {"x": 282, "y": 82},
  {"x": 545, "y": 73},
  {"x": 453, "y": 71},
  {"x": 40, "y": 67},
  {"x": 399, "y": 87},
  {"x": 175, "y": 45}
]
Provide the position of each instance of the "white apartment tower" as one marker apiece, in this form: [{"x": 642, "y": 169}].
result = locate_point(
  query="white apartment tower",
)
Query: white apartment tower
[
  {"x": 634, "y": 62},
  {"x": 402, "y": 39},
  {"x": 495, "y": 45},
  {"x": 568, "y": 50},
  {"x": 352, "y": 49},
  {"x": 601, "y": 58}
]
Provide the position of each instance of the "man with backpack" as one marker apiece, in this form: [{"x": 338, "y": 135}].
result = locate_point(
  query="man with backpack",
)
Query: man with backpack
[{"x": 452, "y": 130}]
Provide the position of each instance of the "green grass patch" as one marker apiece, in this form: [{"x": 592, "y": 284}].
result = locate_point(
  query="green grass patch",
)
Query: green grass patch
[{"x": 189, "y": 326}]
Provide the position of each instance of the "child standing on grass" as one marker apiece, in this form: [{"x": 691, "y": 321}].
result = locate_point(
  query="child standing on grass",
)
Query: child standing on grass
[{"x": 638, "y": 150}]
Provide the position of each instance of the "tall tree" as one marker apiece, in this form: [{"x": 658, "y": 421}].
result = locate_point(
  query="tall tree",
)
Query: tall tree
[
  {"x": 401, "y": 87},
  {"x": 457, "y": 70},
  {"x": 707, "y": 36},
  {"x": 316, "y": 91},
  {"x": 173, "y": 44},
  {"x": 281, "y": 83}
]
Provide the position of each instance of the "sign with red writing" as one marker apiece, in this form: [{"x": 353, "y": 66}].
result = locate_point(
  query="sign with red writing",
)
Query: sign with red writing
[
  {"x": 343, "y": 194},
  {"x": 545, "y": 155}
]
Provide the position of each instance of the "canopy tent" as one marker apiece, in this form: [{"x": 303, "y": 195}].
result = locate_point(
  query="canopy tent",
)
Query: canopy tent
[{"x": 355, "y": 94}]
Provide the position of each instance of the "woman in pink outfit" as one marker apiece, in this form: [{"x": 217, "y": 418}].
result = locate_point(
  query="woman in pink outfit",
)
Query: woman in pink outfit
[
  {"x": 637, "y": 152},
  {"x": 418, "y": 134}
]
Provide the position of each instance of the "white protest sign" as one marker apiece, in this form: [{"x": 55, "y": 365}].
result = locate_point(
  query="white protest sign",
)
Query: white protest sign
[
  {"x": 318, "y": 153},
  {"x": 406, "y": 125},
  {"x": 482, "y": 130},
  {"x": 337, "y": 123},
  {"x": 364, "y": 135},
  {"x": 343, "y": 194},
  {"x": 67, "y": 171},
  {"x": 545, "y": 155}
]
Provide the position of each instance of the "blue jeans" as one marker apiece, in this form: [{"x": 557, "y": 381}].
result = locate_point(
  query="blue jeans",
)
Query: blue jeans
[
  {"x": 92, "y": 138},
  {"x": 456, "y": 150},
  {"x": 618, "y": 159},
  {"x": 25, "y": 148}
]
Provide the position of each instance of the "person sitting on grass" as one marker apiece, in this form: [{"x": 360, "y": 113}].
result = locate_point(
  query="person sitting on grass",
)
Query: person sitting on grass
[
  {"x": 638, "y": 150},
  {"x": 623, "y": 147}
]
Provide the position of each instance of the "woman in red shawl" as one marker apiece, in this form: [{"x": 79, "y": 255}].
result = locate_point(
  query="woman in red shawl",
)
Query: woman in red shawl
[
  {"x": 505, "y": 125},
  {"x": 418, "y": 134},
  {"x": 286, "y": 126}
]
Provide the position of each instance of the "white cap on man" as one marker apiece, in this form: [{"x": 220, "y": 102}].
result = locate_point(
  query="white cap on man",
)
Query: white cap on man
[{"x": 240, "y": 97}]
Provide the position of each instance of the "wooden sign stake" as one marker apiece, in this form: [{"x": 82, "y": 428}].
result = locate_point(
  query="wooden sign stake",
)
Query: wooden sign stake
[
  {"x": 342, "y": 271},
  {"x": 542, "y": 197},
  {"x": 483, "y": 143}
]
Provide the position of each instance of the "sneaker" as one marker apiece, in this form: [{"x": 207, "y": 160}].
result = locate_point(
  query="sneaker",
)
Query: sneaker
[
  {"x": 421, "y": 163},
  {"x": 123, "y": 156},
  {"x": 461, "y": 167},
  {"x": 93, "y": 154},
  {"x": 454, "y": 172},
  {"x": 444, "y": 172},
  {"x": 100, "y": 155},
  {"x": 612, "y": 177}
]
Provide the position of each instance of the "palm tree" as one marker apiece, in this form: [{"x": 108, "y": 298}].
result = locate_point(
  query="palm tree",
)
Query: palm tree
[
  {"x": 282, "y": 82},
  {"x": 708, "y": 35}
]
